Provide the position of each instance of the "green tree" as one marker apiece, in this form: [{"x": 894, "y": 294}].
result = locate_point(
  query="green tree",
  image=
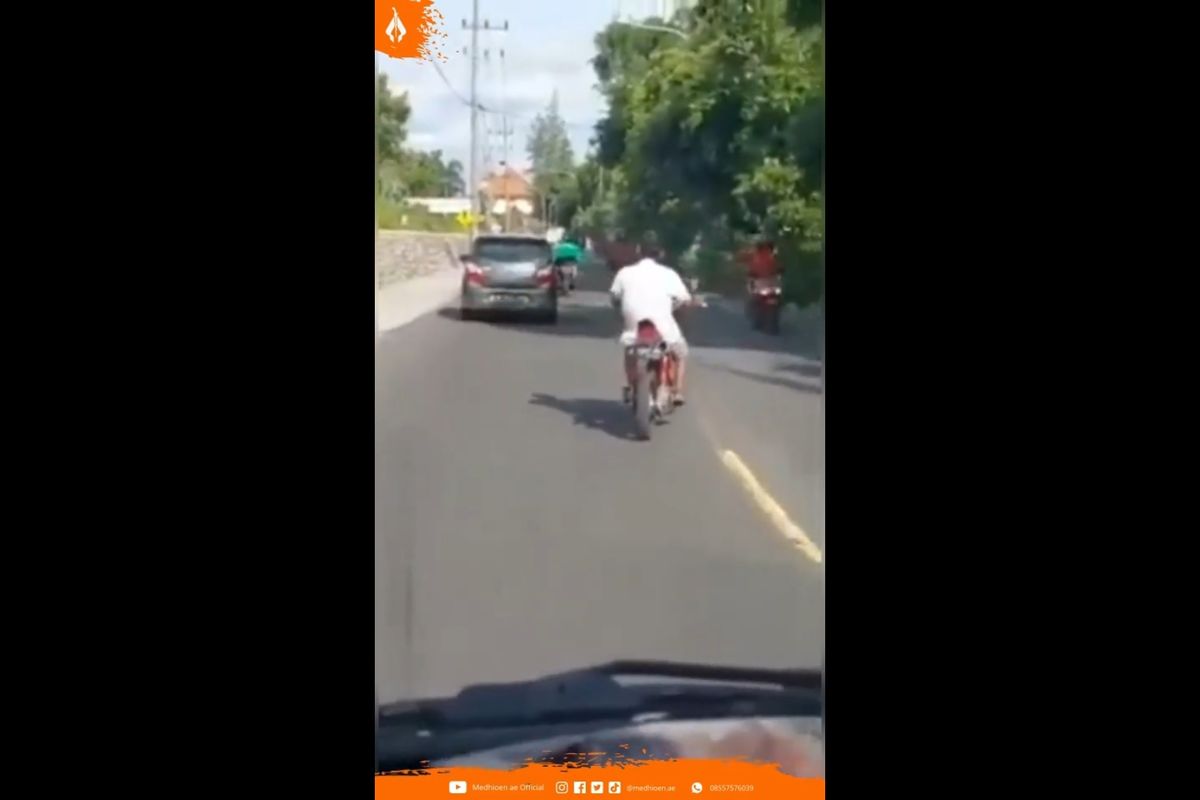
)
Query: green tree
[
  {"x": 391, "y": 120},
  {"x": 720, "y": 136},
  {"x": 550, "y": 153},
  {"x": 622, "y": 57},
  {"x": 404, "y": 173},
  {"x": 601, "y": 190},
  {"x": 453, "y": 183},
  {"x": 804, "y": 13},
  {"x": 424, "y": 175}
]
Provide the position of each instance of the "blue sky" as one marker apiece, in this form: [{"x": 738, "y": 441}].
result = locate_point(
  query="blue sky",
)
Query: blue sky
[{"x": 548, "y": 46}]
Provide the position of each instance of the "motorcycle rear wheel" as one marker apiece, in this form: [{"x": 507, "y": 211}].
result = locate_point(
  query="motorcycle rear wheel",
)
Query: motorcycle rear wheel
[
  {"x": 771, "y": 321},
  {"x": 641, "y": 402},
  {"x": 666, "y": 384}
]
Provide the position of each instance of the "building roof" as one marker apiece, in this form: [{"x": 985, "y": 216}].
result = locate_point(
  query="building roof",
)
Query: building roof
[{"x": 508, "y": 183}]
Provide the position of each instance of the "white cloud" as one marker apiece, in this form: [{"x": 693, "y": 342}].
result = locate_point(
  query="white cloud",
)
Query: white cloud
[
  {"x": 423, "y": 140},
  {"x": 549, "y": 48}
]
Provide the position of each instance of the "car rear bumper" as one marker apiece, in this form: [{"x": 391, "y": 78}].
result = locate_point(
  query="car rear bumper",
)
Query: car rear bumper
[{"x": 483, "y": 298}]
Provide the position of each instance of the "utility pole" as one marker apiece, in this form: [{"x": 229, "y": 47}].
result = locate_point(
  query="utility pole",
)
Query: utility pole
[
  {"x": 474, "y": 27},
  {"x": 504, "y": 132},
  {"x": 376, "y": 196},
  {"x": 474, "y": 188},
  {"x": 507, "y": 182}
]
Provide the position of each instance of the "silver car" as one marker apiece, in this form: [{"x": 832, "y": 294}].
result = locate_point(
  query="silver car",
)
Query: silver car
[{"x": 509, "y": 272}]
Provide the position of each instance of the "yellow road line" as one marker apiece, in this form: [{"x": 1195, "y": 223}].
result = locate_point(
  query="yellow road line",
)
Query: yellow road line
[{"x": 769, "y": 507}]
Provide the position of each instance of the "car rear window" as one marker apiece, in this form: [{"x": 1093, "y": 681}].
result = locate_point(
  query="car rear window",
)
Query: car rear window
[{"x": 511, "y": 251}]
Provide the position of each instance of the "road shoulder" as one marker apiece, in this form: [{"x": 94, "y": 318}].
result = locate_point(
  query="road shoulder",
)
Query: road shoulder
[{"x": 401, "y": 303}]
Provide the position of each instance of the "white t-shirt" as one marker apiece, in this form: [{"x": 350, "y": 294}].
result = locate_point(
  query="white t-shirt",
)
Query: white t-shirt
[{"x": 649, "y": 290}]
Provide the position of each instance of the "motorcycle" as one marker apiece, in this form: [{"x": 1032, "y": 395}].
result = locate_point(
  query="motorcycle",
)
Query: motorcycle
[
  {"x": 567, "y": 271},
  {"x": 652, "y": 393},
  {"x": 764, "y": 303}
]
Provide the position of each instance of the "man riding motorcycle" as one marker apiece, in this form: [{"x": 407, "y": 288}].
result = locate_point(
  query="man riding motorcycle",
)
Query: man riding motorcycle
[
  {"x": 648, "y": 289},
  {"x": 764, "y": 286},
  {"x": 568, "y": 255},
  {"x": 761, "y": 263}
]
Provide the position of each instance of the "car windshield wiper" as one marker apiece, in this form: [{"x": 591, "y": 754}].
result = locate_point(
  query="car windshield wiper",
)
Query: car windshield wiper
[{"x": 487, "y": 715}]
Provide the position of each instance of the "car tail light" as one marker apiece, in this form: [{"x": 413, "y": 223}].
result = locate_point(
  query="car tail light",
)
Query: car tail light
[
  {"x": 475, "y": 273},
  {"x": 544, "y": 276}
]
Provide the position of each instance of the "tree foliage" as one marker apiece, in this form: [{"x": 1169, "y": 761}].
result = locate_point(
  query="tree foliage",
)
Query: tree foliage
[
  {"x": 425, "y": 175},
  {"x": 622, "y": 55},
  {"x": 719, "y": 136},
  {"x": 552, "y": 159},
  {"x": 391, "y": 120},
  {"x": 403, "y": 172}
]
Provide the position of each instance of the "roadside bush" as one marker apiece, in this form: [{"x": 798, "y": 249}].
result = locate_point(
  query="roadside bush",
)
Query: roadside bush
[
  {"x": 802, "y": 278},
  {"x": 402, "y": 217}
]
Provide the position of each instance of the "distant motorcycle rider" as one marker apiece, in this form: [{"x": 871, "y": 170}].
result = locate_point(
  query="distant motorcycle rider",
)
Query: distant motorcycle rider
[
  {"x": 761, "y": 263},
  {"x": 568, "y": 255},
  {"x": 650, "y": 290}
]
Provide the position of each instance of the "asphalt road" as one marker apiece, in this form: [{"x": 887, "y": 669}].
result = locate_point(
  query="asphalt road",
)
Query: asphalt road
[{"x": 520, "y": 529}]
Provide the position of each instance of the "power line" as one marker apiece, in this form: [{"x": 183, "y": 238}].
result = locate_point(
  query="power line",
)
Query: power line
[
  {"x": 487, "y": 110},
  {"x": 450, "y": 86},
  {"x": 529, "y": 118}
]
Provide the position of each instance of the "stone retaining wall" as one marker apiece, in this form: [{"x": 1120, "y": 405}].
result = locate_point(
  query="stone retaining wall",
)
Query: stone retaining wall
[{"x": 401, "y": 255}]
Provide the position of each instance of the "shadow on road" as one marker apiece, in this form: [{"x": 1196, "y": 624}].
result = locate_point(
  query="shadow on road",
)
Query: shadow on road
[
  {"x": 507, "y": 318},
  {"x": 717, "y": 328},
  {"x": 807, "y": 370},
  {"x": 608, "y": 416},
  {"x": 787, "y": 383}
]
